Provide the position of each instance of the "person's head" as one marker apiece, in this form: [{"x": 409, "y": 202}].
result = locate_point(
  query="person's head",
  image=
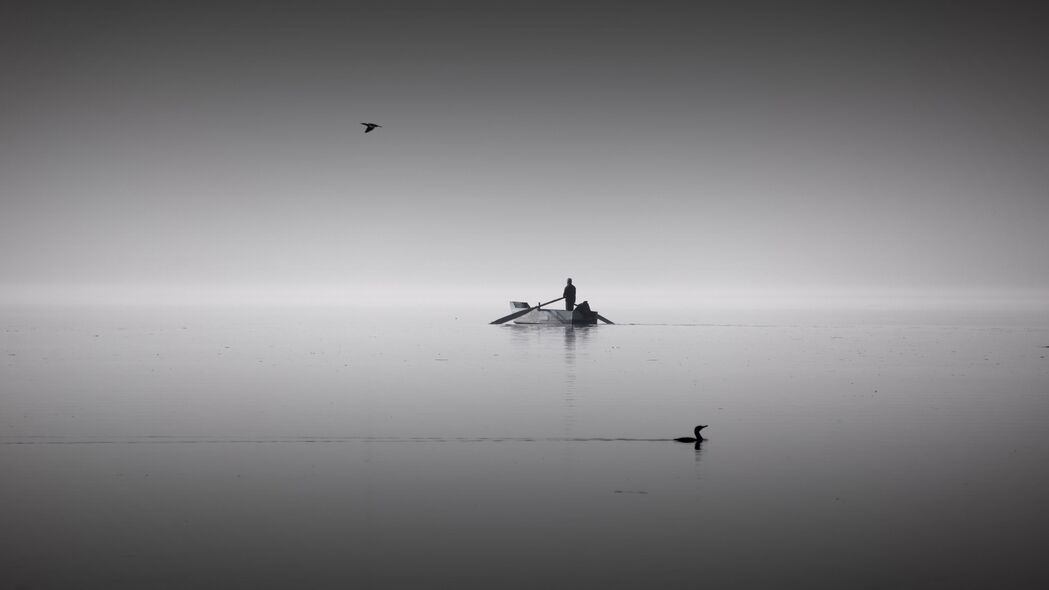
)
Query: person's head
[{"x": 569, "y": 281}]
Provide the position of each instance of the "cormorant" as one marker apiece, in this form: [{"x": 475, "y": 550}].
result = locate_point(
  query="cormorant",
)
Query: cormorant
[
  {"x": 696, "y": 439},
  {"x": 368, "y": 127}
]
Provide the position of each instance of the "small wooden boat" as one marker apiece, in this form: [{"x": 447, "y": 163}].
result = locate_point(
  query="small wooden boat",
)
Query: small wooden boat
[{"x": 582, "y": 315}]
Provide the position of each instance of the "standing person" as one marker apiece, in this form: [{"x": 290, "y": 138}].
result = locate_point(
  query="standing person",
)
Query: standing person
[{"x": 569, "y": 296}]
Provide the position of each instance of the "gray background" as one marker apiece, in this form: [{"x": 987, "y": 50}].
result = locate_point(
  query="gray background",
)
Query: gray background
[{"x": 187, "y": 150}]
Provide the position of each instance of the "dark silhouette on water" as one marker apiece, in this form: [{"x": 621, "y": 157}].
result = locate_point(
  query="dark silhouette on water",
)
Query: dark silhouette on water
[
  {"x": 569, "y": 296},
  {"x": 369, "y": 127},
  {"x": 697, "y": 439}
]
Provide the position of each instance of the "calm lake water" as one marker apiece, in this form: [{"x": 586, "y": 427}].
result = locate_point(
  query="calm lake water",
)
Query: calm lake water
[{"x": 356, "y": 448}]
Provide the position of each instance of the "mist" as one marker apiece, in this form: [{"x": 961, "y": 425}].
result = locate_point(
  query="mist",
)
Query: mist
[{"x": 674, "y": 149}]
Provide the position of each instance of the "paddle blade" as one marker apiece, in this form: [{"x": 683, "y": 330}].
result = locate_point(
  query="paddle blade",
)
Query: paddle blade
[
  {"x": 512, "y": 316},
  {"x": 605, "y": 320},
  {"x": 518, "y": 314}
]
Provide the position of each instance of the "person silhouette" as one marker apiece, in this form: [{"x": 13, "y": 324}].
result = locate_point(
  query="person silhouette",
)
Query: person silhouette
[{"x": 569, "y": 296}]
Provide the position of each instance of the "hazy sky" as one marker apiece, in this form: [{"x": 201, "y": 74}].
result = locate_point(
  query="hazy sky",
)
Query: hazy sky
[{"x": 698, "y": 145}]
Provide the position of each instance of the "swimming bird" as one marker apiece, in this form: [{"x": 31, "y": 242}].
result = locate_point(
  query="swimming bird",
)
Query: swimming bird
[
  {"x": 368, "y": 127},
  {"x": 696, "y": 439}
]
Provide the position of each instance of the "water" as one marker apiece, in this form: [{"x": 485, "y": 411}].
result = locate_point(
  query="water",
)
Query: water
[{"x": 333, "y": 447}]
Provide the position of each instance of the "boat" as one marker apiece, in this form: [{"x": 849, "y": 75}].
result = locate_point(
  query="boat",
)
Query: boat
[
  {"x": 579, "y": 315},
  {"x": 582, "y": 315}
]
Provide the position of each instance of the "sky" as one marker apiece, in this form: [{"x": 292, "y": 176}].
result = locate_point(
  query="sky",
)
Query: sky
[{"x": 656, "y": 147}]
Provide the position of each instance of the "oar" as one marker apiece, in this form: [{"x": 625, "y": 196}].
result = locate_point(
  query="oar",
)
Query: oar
[
  {"x": 518, "y": 314},
  {"x": 605, "y": 320}
]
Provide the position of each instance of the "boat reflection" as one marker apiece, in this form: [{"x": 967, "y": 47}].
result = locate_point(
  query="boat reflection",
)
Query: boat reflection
[{"x": 545, "y": 343}]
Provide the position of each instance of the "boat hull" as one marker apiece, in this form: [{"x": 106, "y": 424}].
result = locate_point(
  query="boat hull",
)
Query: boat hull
[{"x": 559, "y": 317}]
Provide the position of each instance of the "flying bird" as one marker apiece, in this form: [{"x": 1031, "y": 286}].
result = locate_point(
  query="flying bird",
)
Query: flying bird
[{"x": 368, "y": 127}]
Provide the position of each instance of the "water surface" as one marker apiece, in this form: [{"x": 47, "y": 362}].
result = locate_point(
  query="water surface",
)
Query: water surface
[{"x": 323, "y": 447}]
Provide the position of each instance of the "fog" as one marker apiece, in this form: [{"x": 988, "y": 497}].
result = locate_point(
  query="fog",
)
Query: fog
[{"x": 683, "y": 151}]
